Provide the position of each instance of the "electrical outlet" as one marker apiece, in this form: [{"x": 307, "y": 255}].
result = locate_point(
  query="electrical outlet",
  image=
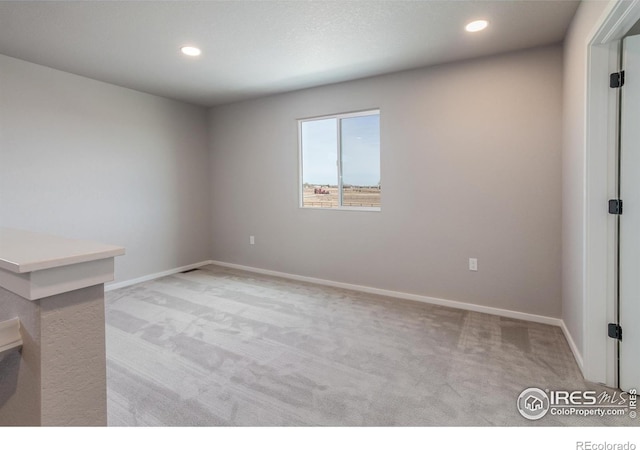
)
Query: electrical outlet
[
  {"x": 473, "y": 264},
  {"x": 252, "y": 240}
]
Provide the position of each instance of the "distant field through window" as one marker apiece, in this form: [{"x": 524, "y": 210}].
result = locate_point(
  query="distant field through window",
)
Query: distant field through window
[{"x": 340, "y": 161}]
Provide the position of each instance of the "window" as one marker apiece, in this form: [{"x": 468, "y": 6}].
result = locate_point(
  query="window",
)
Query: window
[{"x": 340, "y": 161}]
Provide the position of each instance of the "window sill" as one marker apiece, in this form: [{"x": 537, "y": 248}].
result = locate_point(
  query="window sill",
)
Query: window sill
[{"x": 343, "y": 208}]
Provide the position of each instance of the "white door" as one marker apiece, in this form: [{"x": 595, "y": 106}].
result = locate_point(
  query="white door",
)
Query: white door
[{"x": 629, "y": 271}]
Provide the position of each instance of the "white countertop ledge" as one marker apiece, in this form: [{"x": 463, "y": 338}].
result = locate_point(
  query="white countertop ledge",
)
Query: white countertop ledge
[{"x": 26, "y": 251}]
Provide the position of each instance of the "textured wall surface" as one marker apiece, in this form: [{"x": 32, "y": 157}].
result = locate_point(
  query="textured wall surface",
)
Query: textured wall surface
[
  {"x": 60, "y": 377},
  {"x": 74, "y": 384},
  {"x": 471, "y": 167}
]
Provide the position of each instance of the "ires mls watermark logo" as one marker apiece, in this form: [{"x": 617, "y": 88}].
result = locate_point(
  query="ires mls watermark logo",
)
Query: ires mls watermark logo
[{"x": 534, "y": 403}]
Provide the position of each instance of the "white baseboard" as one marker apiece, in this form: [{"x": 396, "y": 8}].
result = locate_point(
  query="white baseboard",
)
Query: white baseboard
[
  {"x": 572, "y": 346},
  {"x": 404, "y": 295},
  {"x": 354, "y": 287},
  {"x": 112, "y": 286}
]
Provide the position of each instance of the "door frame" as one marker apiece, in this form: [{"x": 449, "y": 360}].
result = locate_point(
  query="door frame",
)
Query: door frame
[{"x": 599, "y": 363}]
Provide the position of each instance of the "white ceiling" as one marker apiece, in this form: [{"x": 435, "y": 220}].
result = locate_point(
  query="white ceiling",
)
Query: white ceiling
[{"x": 255, "y": 48}]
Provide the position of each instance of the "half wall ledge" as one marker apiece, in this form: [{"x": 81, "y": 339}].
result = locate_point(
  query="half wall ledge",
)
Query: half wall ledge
[{"x": 54, "y": 288}]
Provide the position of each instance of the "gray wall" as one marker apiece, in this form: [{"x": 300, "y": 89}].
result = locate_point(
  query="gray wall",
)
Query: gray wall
[
  {"x": 471, "y": 167},
  {"x": 573, "y": 168},
  {"x": 85, "y": 159}
]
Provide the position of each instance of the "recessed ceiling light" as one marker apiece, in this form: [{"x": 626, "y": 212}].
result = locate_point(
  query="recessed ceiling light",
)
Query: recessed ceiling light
[
  {"x": 191, "y": 51},
  {"x": 476, "y": 25}
]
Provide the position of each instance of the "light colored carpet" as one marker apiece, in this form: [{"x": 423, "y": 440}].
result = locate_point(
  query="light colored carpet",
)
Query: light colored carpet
[{"x": 223, "y": 347}]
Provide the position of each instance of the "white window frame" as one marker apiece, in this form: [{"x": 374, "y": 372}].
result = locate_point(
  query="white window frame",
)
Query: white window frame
[{"x": 339, "y": 117}]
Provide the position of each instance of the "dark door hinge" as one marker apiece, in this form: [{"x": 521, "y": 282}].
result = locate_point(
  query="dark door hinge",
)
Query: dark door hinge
[
  {"x": 614, "y": 331},
  {"x": 615, "y": 206},
  {"x": 616, "y": 79}
]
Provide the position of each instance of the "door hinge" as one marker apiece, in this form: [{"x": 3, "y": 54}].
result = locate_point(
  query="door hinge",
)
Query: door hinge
[
  {"x": 616, "y": 79},
  {"x": 615, "y": 206},
  {"x": 614, "y": 331}
]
